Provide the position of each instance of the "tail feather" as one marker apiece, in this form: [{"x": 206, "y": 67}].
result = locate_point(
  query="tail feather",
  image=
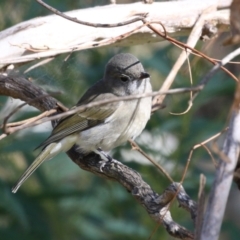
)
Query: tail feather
[{"x": 43, "y": 156}]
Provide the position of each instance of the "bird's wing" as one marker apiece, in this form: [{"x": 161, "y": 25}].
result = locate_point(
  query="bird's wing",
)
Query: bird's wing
[{"x": 82, "y": 120}]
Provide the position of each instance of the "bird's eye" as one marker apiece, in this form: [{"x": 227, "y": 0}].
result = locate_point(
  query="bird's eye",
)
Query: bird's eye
[{"x": 124, "y": 78}]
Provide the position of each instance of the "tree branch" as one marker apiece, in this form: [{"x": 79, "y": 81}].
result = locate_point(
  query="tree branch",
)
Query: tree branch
[
  {"x": 224, "y": 175},
  {"x": 157, "y": 206},
  {"x": 42, "y": 37}
]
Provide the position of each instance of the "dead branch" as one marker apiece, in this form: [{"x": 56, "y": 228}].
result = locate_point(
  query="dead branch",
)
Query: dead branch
[{"x": 46, "y": 39}]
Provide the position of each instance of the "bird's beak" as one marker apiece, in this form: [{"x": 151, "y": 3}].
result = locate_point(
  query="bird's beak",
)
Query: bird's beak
[{"x": 144, "y": 75}]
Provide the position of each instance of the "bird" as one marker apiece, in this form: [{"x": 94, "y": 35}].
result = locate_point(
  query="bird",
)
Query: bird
[{"x": 101, "y": 128}]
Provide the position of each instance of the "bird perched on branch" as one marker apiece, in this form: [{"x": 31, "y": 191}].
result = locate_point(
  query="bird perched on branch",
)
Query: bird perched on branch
[{"x": 101, "y": 128}]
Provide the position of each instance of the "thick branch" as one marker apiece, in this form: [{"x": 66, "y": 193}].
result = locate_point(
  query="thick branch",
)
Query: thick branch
[
  {"x": 21, "y": 88},
  {"x": 42, "y": 37},
  {"x": 156, "y": 205},
  {"x": 224, "y": 175}
]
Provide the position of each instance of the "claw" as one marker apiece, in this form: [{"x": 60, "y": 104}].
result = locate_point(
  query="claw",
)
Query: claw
[
  {"x": 102, "y": 165},
  {"x": 105, "y": 159}
]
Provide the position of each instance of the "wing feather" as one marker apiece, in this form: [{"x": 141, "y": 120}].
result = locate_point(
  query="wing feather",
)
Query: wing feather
[{"x": 82, "y": 120}]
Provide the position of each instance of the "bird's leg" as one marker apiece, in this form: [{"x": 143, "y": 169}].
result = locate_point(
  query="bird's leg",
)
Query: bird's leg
[
  {"x": 106, "y": 158},
  {"x": 104, "y": 155}
]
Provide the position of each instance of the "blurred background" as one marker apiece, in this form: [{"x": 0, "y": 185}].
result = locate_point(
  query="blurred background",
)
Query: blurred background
[{"x": 61, "y": 201}]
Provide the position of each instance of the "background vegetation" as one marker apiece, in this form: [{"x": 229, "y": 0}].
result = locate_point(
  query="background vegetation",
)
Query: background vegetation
[{"x": 61, "y": 201}]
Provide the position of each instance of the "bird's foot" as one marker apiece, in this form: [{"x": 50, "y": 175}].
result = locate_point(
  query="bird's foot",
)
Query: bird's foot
[{"x": 105, "y": 159}]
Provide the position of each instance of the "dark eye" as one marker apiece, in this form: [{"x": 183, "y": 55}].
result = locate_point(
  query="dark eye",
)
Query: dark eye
[{"x": 124, "y": 78}]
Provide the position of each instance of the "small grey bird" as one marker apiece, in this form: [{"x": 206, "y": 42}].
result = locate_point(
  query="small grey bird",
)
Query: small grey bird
[{"x": 102, "y": 128}]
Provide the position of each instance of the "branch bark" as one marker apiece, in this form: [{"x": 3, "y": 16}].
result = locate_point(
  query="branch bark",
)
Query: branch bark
[
  {"x": 224, "y": 176},
  {"x": 42, "y": 37}
]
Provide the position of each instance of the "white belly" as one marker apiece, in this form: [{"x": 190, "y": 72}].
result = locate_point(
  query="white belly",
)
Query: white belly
[{"x": 127, "y": 122}]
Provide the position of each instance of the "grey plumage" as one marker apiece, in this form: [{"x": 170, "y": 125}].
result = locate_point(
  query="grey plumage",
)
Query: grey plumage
[{"x": 107, "y": 126}]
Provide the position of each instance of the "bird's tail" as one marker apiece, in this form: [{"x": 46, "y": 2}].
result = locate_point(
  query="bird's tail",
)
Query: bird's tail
[{"x": 46, "y": 154}]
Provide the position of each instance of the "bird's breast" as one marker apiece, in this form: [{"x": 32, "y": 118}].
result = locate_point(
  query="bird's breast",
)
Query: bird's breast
[
  {"x": 127, "y": 122},
  {"x": 138, "y": 118}
]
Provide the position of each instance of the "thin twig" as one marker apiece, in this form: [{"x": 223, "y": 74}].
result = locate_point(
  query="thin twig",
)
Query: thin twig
[
  {"x": 219, "y": 65},
  {"x": 191, "y": 42},
  {"x": 44, "y": 61},
  {"x": 94, "y": 104},
  {"x": 203, "y": 144},
  {"x": 8, "y": 126},
  {"x": 96, "y": 25},
  {"x": 184, "y": 46},
  {"x": 210, "y": 154},
  {"x": 215, "y": 148},
  {"x": 211, "y": 138},
  {"x": 136, "y": 147},
  {"x": 4, "y": 127},
  {"x": 210, "y": 74},
  {"x": 191, "y": 93}
]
